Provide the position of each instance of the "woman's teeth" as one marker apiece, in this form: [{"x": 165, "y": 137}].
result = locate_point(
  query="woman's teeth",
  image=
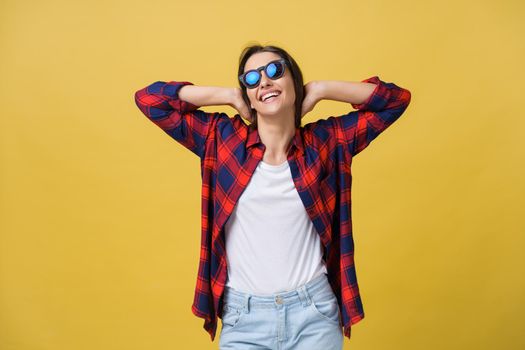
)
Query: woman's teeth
[{"x": 270, "y": 99}]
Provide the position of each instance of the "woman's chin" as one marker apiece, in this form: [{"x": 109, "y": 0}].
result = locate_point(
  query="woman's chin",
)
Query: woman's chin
[
  {"x": 274, "y": 109},
  {"x": 271, "y": 108}
]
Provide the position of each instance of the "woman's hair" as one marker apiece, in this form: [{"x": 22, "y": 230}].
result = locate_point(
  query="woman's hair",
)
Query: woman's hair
[{"x": 294, "y": 69}]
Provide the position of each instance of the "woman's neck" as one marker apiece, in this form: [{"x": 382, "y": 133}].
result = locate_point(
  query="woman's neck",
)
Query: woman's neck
[{"x": 276, "y": 135}]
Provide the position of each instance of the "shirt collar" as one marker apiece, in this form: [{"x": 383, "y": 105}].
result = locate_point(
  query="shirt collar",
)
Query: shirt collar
[{"x": 296, "y": 142}]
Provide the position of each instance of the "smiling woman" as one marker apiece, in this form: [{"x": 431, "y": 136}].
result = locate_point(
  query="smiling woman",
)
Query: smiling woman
[
  {"x": 277, "y": 251},
  {"x": 276, "y": 70}
]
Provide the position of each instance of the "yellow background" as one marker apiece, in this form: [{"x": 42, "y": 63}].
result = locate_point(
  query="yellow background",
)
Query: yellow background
[{"x": 100, "y": 210}]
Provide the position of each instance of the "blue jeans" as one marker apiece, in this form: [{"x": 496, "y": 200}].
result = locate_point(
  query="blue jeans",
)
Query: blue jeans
[{"x": 306, "y": 318}]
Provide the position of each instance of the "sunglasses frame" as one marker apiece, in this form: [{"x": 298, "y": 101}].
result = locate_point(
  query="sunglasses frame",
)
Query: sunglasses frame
[{"x": 258, "y": 70}]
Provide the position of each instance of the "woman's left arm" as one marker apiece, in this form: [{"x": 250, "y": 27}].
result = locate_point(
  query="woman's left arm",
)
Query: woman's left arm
[
  {"x": 337, "y": 90},
  {"x": 378, "y": 105},
  {"x": 345, "y": 91}
]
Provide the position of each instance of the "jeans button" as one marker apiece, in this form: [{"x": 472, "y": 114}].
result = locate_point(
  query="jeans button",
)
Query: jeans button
[{"x": 278, "y": 300}]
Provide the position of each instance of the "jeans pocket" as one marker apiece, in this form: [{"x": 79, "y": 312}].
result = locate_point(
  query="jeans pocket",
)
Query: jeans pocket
[
  {"x": 327, "y": 308},
  {"x": 231, "y": 315}
]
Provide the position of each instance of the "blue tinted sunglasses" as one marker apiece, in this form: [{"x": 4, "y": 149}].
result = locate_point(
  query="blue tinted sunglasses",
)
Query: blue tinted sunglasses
[{"x": 274, "y": 70}]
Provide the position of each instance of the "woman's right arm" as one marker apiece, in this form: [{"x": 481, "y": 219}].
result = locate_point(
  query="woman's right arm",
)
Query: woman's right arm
[
  {"x": 214, "y": 95},
  {"x": 206, "y": 95},
  {"x": 175, "y": 110}
]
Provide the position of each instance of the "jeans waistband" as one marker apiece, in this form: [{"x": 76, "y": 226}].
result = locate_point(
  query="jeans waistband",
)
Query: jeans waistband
[{"x": 302, "y": 294}]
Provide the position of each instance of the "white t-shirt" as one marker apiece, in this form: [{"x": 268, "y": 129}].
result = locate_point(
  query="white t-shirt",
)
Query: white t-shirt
[{"x": 271, "y": 243}]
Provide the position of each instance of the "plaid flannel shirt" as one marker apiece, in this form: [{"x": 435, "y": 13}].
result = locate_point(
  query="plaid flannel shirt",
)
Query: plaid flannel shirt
[{"x": 320, "y": 157}]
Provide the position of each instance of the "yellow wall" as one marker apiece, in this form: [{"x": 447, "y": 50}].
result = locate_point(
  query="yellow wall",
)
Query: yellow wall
[{"x": 100, "y": 210}]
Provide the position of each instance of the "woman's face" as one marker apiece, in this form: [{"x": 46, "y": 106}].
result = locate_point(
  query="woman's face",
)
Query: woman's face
[{"x": 285, "y": 101}]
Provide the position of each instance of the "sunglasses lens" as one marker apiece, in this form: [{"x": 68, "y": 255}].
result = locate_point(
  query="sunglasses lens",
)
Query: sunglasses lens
[
  {"x": 274, "y": 70},
  {"x": 252, "y": 78}
]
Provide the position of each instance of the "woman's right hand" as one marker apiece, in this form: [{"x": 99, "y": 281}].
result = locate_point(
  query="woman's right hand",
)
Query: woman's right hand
[{"x": 238, "y": 103}]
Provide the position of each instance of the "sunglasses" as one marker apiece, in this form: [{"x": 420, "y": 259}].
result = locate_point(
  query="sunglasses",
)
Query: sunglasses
[{"x": 274, "y": 70}]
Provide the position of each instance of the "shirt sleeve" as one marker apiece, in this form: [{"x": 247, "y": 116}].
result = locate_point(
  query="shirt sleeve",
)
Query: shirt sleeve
[
  {"x": 181, "y": 120},
  {"x": 384, "y": 106}
]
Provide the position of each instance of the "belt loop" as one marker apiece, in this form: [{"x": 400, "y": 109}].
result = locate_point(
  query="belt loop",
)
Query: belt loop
[
  {"x": 303, "y": 295},
  {"x": 246, "y": 305}
]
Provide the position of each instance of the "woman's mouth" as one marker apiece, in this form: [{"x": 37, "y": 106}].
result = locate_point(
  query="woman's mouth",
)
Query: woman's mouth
[{"x": 271, "y": 99}]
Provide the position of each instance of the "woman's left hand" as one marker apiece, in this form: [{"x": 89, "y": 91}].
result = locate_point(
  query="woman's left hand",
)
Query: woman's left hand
[{"x": 311, "y": 97}]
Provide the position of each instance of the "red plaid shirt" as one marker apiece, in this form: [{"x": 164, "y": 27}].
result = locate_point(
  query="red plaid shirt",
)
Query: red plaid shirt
[{"x": 320, "y": 157}]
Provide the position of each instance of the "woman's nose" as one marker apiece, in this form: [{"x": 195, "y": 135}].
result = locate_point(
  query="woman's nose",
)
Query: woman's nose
[{"x": 264, "y": 79}]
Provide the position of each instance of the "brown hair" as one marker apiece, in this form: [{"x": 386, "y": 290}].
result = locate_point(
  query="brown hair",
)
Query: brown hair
[{"x": 297, "y": 77}]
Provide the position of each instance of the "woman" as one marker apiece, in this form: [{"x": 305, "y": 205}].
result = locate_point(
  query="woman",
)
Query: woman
[{"x": 277, "y": 251}]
